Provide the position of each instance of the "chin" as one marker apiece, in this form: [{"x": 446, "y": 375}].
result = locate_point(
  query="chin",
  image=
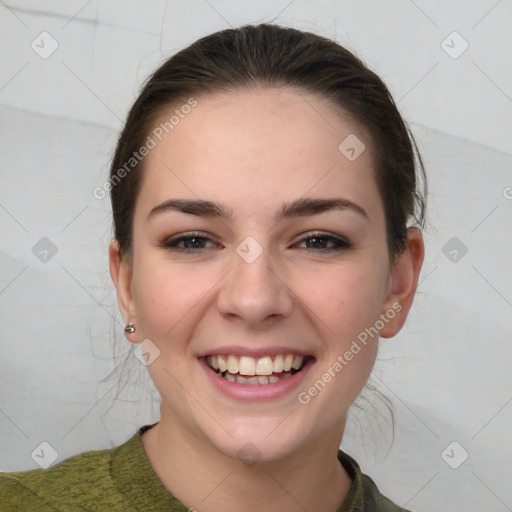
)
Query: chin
[{"x": 268, "y": 439}]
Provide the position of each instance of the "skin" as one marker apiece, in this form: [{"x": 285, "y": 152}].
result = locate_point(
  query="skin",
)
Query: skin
[{"x": 252, "y": 151}]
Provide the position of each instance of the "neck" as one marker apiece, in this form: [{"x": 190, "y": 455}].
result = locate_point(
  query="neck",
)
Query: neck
[{"x": 204, "y": 479}]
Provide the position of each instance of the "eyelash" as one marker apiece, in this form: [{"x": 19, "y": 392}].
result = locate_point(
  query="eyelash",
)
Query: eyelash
[{"x": 339, "y": 243}]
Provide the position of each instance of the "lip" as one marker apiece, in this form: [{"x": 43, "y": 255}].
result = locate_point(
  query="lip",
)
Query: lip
[
  {"x": 239, "y": 351},
  {"x": 258, "y": 392}
]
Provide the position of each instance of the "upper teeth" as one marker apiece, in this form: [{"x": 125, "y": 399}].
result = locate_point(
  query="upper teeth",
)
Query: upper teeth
[{"x": 246, "y": 365}]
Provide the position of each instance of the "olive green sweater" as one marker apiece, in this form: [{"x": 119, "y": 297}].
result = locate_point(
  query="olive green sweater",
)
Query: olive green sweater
[{"x": 122, "y": 479}]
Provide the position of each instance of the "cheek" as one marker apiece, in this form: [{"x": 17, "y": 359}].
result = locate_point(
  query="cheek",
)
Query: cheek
[
  {"x": 349, "y": 309},
  {"x": 345, "y": 300},
  {"x": 166, "y": 295},
  {"x": 347, "y": 305}
]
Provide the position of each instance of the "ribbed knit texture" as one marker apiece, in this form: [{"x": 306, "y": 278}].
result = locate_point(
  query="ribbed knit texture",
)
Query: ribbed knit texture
[{"x": 122, "y": 479}]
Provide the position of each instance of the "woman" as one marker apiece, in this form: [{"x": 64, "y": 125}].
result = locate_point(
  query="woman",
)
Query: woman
[{"x": 262, "y": 191}]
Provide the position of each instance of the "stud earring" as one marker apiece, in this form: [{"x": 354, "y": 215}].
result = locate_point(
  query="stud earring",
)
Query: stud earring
[{"x": 129, "y": 328}]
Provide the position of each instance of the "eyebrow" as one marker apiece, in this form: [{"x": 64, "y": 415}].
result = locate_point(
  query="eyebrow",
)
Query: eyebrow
[{"x": 302, "y": 207}]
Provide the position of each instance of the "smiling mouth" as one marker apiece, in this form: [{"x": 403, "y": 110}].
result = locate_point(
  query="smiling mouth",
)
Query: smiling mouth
[{"x": 257, "y": 371}]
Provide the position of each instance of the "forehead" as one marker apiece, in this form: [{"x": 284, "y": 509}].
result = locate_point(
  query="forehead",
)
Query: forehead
[{"x": 256, "y": 145}]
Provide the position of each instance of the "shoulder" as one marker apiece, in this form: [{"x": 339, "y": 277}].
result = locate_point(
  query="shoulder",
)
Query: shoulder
[
  {"x": 375, "y": 500},
  {"x": 80, "y": 482},
  {"x": 15, "y": 497},
  {"x": 364, "y": 495}
]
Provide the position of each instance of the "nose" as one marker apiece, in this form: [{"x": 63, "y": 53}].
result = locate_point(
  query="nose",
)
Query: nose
[{"x": 255, "y": 292}]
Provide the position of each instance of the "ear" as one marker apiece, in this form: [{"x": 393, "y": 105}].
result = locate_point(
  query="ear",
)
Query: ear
[
  {"x": 402, "y": 284},
  {"x": 121, "y": 274}
]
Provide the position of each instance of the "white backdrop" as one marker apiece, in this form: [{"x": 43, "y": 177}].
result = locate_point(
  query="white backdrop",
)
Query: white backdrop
[{"x": 69, "y": 72}]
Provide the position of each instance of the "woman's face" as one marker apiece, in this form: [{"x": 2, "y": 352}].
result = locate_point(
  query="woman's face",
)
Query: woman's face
[{"x": 286, "y": 262}]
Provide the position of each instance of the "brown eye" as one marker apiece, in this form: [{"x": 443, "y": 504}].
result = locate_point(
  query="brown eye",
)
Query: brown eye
[
  {"x": 188, "y": 242},
  {"x": 324, "y": 242}
]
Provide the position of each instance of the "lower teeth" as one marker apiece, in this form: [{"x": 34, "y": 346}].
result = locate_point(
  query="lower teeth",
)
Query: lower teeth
[{"x": 256, "y": 379}]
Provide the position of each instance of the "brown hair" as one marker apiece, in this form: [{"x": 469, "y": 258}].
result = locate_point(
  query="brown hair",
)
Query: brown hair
[{"x": 274, "y": 56}]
